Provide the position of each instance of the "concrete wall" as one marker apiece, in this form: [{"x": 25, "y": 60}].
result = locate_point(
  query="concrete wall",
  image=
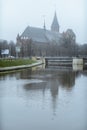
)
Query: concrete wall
[{"x": 77, "y": 61}]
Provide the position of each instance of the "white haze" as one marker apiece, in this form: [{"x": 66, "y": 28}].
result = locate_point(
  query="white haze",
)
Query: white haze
[{"x": 16, "y": 15}]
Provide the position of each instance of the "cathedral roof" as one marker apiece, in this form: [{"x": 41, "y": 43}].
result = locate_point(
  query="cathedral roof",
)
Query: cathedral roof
[
  {"x": 36, "y": 34},
  {"x": 40, "y": 35}
]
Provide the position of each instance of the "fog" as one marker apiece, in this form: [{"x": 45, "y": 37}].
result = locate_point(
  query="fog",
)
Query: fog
[{"x": 16, "y": 15}]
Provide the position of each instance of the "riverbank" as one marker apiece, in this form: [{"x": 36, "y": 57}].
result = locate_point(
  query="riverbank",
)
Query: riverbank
[
  {"x": 15, "y": 62},
  {"x": 36, "y": 63}
]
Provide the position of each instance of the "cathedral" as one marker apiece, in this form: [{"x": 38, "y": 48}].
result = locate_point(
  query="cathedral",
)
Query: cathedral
[{"x": 38, "y": 41}]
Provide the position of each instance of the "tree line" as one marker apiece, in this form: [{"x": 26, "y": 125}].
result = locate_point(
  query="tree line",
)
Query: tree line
[
  {"x": 66, "y": 46},
  {"x": 11, "y": 46}
]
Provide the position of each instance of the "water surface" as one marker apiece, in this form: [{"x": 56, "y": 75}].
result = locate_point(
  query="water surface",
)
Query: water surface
[{"x": 43, "y": 99}]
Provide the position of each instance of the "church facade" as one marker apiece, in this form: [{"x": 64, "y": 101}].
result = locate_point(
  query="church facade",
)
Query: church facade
[{"x": 39, "y": 41}]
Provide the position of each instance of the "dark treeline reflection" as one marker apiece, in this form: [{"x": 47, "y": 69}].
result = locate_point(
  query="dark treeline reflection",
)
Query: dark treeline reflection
[
  {"x": 49, "y": 80},
  {"x": 44, "y": 98},
  {"x": 46, "y": 79},
  {"x": 35, "y": 81},
  {"x": 84, "y": 73}
]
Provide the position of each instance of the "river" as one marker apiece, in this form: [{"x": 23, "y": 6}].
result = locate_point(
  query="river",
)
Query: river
[{"x": 43, "y": 99}]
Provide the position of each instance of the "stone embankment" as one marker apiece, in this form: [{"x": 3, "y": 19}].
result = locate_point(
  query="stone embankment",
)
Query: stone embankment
[{"x": 3, "y": 69}]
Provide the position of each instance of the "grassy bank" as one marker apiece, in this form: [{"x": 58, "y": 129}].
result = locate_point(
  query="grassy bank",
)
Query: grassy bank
[{"x": 15, "y": 62}]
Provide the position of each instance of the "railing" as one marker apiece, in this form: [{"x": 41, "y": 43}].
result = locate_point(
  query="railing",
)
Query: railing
[
  {"x": 58, "y": 61},
  {"x": 63, "y": 61}
]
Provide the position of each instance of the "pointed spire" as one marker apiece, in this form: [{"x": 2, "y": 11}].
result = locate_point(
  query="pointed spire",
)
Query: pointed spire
[
  {"x": 44, "y": 25},
  {"x": 18, "y": 37},
  {"x": 55, "y": 24}
]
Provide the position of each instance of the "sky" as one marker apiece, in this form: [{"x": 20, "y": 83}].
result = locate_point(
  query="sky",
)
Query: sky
[{"x": 16, "y": 15}]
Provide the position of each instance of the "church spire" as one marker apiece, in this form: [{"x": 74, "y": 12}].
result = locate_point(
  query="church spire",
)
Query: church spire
[
  {"x": 44, "y": 25},
  {"x": 55, "y": 24}
]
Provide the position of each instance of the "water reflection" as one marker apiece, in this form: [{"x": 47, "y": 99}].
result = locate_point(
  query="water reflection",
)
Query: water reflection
[
  {"x": 49, "y": 87},
  {"x": 52, "y": 80},
  {"x": 35, "y": 79}
]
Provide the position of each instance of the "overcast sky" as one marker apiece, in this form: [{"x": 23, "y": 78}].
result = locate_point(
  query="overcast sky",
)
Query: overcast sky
[{"x": 16, "y": 15}]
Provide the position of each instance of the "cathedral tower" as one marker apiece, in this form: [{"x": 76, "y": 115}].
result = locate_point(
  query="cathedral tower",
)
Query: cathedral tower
[{"x": 55, "y": 24}]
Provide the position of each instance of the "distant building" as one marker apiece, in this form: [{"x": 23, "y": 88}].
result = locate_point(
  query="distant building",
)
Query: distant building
[{"x": 37, "y": 41}]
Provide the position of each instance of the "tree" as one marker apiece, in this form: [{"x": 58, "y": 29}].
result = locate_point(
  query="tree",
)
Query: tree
[
  {"x": 3, "y": 46},
  {"x": 68, "y": 43},
  {"x": 12, "y": 48}
]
